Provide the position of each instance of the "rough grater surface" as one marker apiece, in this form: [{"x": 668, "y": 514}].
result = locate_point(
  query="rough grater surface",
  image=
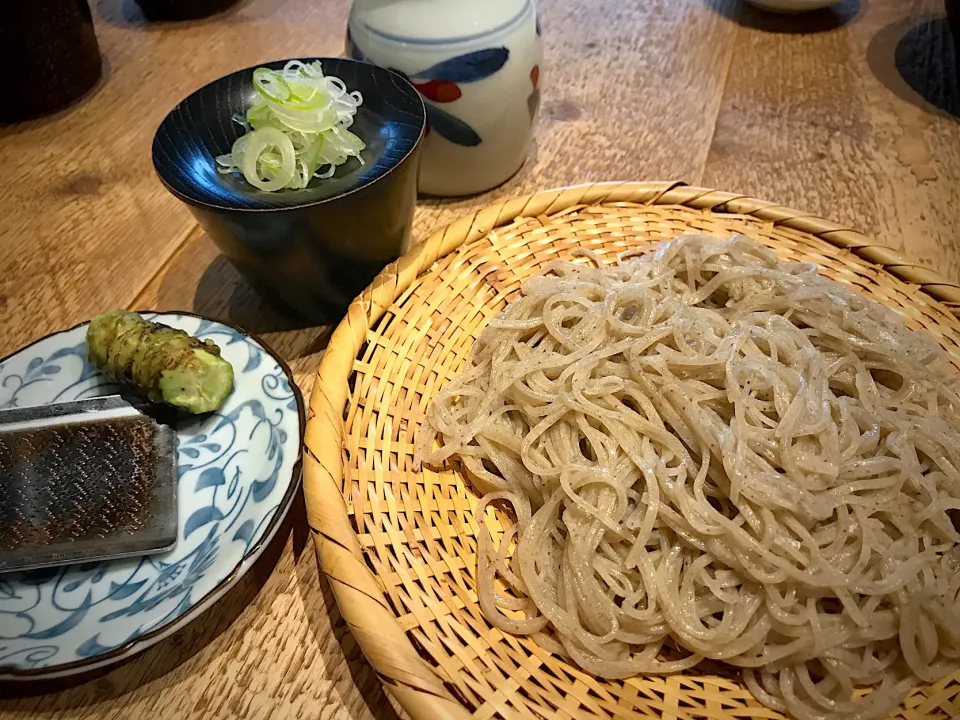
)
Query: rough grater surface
[{"x": 78, "y": 482}]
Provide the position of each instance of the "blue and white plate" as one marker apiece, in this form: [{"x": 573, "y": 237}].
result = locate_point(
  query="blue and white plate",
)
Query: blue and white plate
[{"x": 239, "y": 470}]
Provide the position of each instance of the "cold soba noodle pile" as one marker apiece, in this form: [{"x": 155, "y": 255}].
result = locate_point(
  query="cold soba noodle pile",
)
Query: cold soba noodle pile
[{"x": 713, "y": 454}]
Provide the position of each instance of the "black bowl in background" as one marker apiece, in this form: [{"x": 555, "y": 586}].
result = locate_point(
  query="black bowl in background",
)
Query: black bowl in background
[
  {"x": 50, "y": 53},
  {"x": 312, "y": 250},
  {"x": 182, "y": 9}
]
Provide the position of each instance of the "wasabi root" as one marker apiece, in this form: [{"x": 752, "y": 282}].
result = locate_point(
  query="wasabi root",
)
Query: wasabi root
[{"x": 160, "y": 363}]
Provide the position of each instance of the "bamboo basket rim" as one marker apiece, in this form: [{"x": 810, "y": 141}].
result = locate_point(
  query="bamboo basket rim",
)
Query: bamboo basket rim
[{"x": 400, "y": 667}]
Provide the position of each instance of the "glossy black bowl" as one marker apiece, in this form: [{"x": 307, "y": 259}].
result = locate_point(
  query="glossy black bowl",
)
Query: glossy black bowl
[
  {"x": 309, "y": 251},
  {"x": 182, "y": 9}
]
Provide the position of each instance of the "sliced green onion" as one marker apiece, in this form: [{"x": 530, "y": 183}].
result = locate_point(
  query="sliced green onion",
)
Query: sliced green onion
[
  {"x": 311, "y": 112},
  {"x": 263, "y": 169},
  {"x": 271, "y": 84}
]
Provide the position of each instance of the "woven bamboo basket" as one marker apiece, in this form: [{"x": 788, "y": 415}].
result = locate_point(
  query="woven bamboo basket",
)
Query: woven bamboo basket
[{"x": 398, "y": 546}]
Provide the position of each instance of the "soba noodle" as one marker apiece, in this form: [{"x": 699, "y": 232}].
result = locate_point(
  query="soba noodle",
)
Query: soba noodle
[{"x": 709, "y": 453}]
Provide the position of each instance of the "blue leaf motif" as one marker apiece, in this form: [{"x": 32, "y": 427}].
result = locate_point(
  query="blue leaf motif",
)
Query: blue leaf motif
[
  {"x": 262, "y": 488},
  {"x": 211, "y": 477},
  {"x": 212, "y": 447},
  {"x": 110, "y": 617},
  {"x": 184, "y": 605},
  {"x": 192, "y": 453},
  {"x": 235, "y": 337},
  {"x": 119, "y": 592},
  {"x": 70, "y": 587},
  {"x": 204, "y": 328},
  {"x": 255, "y": 407},
  {"x": 253, "y": 362},
  {"x": 245, "y": 532},
  {"x": 51, "y": 369},
  {"x": 205, "y": 555},
  {"x": 34, "y": 364},
  {"x": 451, "y": 128},
  {"x": 233, "y": 483},
  {"x": 79, "y": 350},
  {"x": 200, "y": 518},
  {"x": 467, "y": 68},
  {"x": 169, "y": 574},
  {"x": 92, "y": 647},
  {"x": 65, "y": 625}
]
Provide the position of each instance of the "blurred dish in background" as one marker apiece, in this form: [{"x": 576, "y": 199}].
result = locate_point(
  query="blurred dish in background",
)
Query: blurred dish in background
[
  {"x": 182, "y": 9},
  {"x": 50, "y": 54},
  {"x": 792, "y": 6}
]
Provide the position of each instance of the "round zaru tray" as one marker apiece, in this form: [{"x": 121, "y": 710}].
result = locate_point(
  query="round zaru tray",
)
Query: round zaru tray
[{"x": 399, "y": 546}]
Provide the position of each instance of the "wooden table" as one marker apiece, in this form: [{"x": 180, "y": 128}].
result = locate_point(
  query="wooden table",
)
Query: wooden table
[{"x": 846, "y": 114}]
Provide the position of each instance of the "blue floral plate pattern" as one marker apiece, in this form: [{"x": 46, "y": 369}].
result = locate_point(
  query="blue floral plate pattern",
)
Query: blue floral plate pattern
[{"x": 239, "y": 470}]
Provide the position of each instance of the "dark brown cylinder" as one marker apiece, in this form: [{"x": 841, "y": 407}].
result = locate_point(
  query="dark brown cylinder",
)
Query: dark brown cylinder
[{"x": 49, "y": 53}]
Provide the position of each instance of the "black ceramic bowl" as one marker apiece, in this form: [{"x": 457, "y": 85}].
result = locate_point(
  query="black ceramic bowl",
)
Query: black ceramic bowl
[
  {"x": 312, "y": 250},
  {"x": 182, "y": 9}
]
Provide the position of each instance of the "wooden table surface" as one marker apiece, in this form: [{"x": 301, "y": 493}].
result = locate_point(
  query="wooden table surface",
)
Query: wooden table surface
[{"x": 851, "y": 114}]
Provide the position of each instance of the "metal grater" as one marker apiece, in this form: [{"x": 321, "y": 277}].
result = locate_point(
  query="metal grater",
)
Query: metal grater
[{"x": 87, "y": 480}]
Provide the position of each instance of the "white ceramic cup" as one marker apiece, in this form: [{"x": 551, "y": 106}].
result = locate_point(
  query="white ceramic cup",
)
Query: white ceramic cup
[{"x": 477, "y": 65}]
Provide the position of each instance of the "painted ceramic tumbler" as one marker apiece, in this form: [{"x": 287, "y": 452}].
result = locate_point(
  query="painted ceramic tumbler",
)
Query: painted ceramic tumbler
[{"x": 477, "y": 65}]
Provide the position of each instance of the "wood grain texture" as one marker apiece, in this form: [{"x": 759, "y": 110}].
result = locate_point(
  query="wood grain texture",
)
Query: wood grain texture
[
  {"x": 706, "y": 91},
  {"x": 823, "y": 120}
]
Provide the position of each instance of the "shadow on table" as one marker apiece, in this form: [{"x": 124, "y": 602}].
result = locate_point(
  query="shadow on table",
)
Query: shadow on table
[
  {"x": 917, "y": 62},
  {"x": 814, "y": 21},
  {"x": 242, "y": 305},
  {"x": 362, "y": 674},
  {"x": 97, "y": 686}
]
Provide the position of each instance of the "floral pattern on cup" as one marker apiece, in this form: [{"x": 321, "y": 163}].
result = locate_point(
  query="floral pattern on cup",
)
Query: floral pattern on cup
[{"x": 440, "y": 84}]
